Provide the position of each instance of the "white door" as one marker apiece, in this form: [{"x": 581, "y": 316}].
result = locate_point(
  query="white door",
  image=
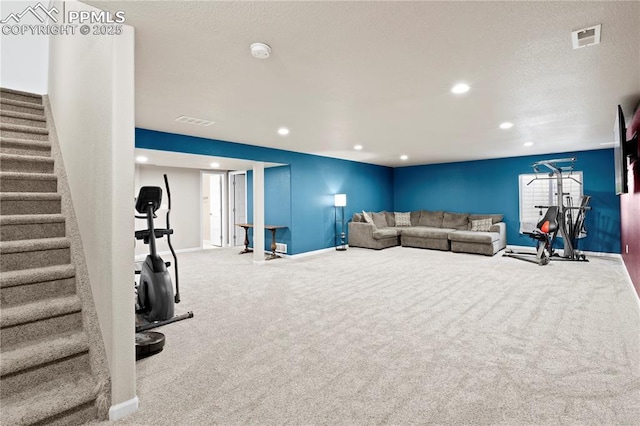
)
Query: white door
[
  {"x": 215, "y": 196},
  {"x": 238, "y": 204}
]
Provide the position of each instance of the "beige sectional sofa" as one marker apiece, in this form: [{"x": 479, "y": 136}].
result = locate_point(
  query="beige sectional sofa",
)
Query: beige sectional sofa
[{"x": 458, "y": 232}]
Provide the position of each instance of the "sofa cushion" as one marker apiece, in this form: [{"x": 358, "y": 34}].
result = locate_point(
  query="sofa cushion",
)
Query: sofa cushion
[
  {"x": 357, "y": 217},
  {"x": 403, "y": 219},
  {"x": 383, "y": 233},
  {"x": 456, "y": 220},
  {"x": 483, "y": 225},
  {"x": 367, "y": 218},
  {"x": 431, "y": 219},
  {"x": 415, "y": 217},
  {"x": 495, "y": 218},
  {"x": 391, "y": 218},
  {"x": 380, "y": 220},
  {"x": 474, "y": 237},
  {"x": 424, "y": 232}
]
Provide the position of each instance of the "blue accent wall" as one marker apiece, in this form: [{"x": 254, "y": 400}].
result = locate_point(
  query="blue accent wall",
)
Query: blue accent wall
[
  {"x": 491, "y": 186},
  {"x": 277, "y": 203},
  {"x": 313, "y": 182}
]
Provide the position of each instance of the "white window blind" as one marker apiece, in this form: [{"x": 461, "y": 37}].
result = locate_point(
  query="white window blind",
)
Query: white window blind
[{"x": 542, "y": 192}]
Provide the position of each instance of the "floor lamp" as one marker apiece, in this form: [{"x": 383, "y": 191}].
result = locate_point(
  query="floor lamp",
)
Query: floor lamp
[{"x": 340, "y": 201}]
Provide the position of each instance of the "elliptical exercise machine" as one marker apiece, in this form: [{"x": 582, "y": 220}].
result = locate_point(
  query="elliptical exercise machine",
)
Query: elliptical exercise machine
[
  {"x": 155, "y": 299},
  {"x": 559, "y": 218}
]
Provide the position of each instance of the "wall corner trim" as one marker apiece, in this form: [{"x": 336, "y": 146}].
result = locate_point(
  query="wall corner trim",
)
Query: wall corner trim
[{"x": 123, "y": 409}]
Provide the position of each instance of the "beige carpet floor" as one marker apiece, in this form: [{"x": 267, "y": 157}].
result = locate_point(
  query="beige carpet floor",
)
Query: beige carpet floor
[{"x": 399, "y": 336}]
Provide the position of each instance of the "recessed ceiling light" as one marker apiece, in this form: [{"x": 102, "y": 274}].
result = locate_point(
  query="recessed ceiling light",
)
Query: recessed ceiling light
[
  {"x": 283, "y": 131},
  {"x": 141, "y": 159},
  {"x": 528, "y": 144},
  {"x": 506, "y": 125},
  {"x": 404, "y": 157},
  {"x": 215, "y": 165},
  {"x": 460, "y": 88},
  {"x": 357, "y": 147}
]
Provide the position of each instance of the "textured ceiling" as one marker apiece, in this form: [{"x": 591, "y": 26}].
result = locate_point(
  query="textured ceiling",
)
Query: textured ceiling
[{"x": 378, "y": 74}]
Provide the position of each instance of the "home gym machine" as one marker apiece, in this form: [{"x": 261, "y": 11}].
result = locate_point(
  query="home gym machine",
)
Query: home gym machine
[
  {"x": 155, "y": 299},
  {"x": 563, "y": 218}
]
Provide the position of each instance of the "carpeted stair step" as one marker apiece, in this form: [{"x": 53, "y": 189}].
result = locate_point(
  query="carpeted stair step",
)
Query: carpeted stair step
[
  {"x": 31, "y": 365},
  {"x": 58, "y": 401},
  {"x": 29, "y": 254},
  {"x": 23, "y": 119},
  {"x": 23, "y": 380},
  {"x": 28, "y": 182},
  {"x": 23, "y": 132},
  {"x": 31, "y": 226},
  {"x": 18, "y": 95},
  {"x": 26, "y": 163},
  {"x": 12, "y": 203},
  {"x": 25, "y": 147},
  {"x": 42, "y": 318},
  {"x": 66, "y": 401},
  {"x": 20, "y": 106},
  {"x": 30, "y": 285},
  {"x": 21, "y": 358}
]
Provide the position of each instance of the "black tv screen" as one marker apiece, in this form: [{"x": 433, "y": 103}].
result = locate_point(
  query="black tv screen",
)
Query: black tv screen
[{"x": 619, "y": 141}]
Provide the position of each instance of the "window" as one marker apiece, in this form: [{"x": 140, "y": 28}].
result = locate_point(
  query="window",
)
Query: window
[{"x": 541, "y": 190}]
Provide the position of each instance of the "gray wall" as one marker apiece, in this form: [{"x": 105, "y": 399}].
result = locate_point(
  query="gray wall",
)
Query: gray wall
[{"x": 186, "y": 206}]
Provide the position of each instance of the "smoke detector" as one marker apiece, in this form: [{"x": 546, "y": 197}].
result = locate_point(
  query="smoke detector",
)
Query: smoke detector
[
  {"x": 586, "y": 37},
  {"x": 260, "y": 50}
]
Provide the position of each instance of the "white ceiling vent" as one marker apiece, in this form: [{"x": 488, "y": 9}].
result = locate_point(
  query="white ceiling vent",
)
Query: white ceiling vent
[
  {"x": 586, "y": 37},
  {"x": 195, "y": 121}
]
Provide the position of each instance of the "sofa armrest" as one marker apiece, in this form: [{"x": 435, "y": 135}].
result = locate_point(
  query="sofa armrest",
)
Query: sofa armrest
[
  {"x": 500, "y": 228},
  {"x": 360, "y": 233}
]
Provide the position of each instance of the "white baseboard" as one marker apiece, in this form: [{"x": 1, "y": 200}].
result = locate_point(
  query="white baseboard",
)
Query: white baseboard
[
  {"x": 310, "y": 253},
  {"x": 123, "y": 409},
  {"x": 165, "y": 253}
]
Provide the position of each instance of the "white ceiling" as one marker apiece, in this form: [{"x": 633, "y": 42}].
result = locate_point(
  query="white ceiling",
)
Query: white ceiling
[
  {"x": 379, "y": 74},
  {"x": 194, "y": 161}
]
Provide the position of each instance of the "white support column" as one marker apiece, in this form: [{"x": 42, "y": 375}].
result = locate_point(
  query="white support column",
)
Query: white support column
[{"x": 258, "y": 212}]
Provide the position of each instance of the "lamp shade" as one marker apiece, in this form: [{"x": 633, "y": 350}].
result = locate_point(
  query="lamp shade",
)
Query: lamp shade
[{"x": 340, "y": 200}]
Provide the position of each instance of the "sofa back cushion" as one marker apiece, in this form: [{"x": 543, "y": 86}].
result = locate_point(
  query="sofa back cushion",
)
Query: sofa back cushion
[
  {"x": 431, "y": 219},
  {"x": 402, "y": 219},
  {"x": 495, "y": 218},
  {"x": 456, "y": 221},
  {"x": 357, "y": 217},
  {"x": 391, "y": 218},
  {"x": 415, "y": 217},
  {"x": 367, "y": 218},
  {"x": 481, "y": 224},
  {"x": 380, "y": 220}
]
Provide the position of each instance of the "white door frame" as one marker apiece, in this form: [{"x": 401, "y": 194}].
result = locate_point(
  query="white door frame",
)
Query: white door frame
[
  {"x": 230, "y": 193},
  {"x": 225, "y": 203}
]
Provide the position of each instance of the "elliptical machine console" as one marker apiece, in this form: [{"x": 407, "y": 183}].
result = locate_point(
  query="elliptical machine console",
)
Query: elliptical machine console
[{"x": 155, "y": 298}]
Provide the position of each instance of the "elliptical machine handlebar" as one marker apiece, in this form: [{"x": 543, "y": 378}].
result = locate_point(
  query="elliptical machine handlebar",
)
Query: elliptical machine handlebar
[{"x": 173, "y": 253}]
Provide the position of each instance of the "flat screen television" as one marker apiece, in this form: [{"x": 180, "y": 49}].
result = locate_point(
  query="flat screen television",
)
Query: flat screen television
[
  {"x": 625, "y": 147},
  {"x": 619, "y": 144}
]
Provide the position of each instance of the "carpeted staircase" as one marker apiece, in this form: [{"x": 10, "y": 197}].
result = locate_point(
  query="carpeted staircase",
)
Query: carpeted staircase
[{"x": 47, "y": 372}]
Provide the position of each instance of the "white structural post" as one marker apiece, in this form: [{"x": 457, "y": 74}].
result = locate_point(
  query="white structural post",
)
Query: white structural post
[{"x": 258, "y": 212}]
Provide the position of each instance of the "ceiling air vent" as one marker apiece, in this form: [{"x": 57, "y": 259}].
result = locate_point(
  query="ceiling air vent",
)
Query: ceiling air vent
[
  {"x": 195, "y": 121},
  {"x": 586, "y": 37}
]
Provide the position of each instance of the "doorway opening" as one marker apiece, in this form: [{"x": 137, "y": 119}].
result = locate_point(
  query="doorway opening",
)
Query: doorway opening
[
  {"x": 213, "y": 212},
  {"x": 237, "y": 207}
]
